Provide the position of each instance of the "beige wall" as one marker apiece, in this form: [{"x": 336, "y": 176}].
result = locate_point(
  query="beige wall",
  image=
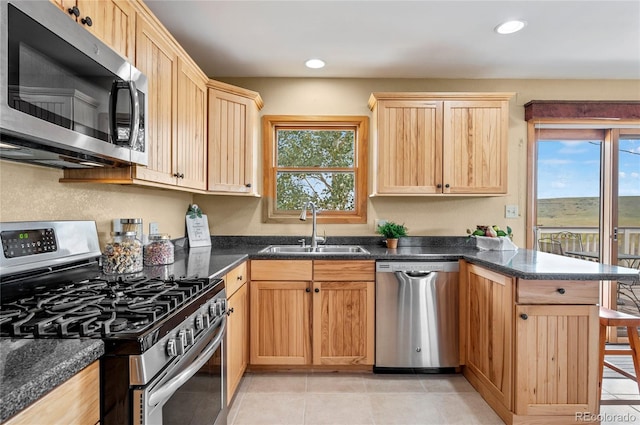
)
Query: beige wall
[
  {"x": 33, "y": 193},
  {"x": 30, "y": 192},
  {"x": 426, "y": 215}
]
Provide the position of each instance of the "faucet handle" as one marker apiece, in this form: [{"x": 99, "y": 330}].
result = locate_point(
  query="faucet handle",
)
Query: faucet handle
[{"x": 303, "y": 242}]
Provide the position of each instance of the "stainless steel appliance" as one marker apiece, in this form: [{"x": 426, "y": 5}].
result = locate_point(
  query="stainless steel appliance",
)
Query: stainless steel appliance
[
  {"x": 67, "y": 99},
  {"x": 163, "y": 334},
  {"x": 416, "y": 316}
]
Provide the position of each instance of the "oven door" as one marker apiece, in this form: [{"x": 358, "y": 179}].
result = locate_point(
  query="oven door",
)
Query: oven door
[{"x": 191, "y": 392}]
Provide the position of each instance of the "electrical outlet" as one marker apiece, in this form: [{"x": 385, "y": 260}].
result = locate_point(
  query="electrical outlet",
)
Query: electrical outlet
[
  {"x": 511, "y": 211},
  {"x": 154, "y": 228},
  {"x": 380, "y": 222}
]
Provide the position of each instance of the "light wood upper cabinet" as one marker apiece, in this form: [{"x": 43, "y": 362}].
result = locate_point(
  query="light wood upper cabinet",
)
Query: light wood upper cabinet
[
  {"x": 233, "y": 136},
  {"x": 312, "y": 312},
  {"x": 191, "y": 142},
  {"x": 158, "y": 60},
  {"x": 112, "y": 21},
  {"x": 440, "y": 143}
]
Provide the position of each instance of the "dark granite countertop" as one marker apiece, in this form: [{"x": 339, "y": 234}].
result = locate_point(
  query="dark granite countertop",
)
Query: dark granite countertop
[
  {"x": 523, "y": 263},
  {"x": 30, "y": 368}
]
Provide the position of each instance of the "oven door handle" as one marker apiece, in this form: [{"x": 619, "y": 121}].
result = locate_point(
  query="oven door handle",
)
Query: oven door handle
[{"x": 164, "y": 392}]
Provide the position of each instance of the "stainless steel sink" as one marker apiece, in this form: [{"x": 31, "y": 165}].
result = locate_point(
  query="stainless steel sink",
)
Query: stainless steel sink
[{"x": 323, "y": 249}]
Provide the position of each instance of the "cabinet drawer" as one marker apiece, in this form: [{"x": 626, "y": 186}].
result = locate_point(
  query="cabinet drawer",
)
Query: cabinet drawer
[
  {"x": 348, "y": 270},
  {"x": 236, "y": 278},
  {"x": 281, "y": 270},
  {"x": 557, "y": 292}
]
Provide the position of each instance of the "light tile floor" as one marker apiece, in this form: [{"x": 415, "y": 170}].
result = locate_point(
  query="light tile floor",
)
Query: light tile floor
[{"x": 308, "y": 398}]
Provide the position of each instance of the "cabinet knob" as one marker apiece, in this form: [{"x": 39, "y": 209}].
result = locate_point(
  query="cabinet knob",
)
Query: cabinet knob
[
  {"x": 561, "y": 291},
  {"x": 524, "y": 316},
  {"x": 239, "y": 277},
  {"x": 230, "y": 311},
  {"x": 439, "y": 186},
  {"x": 307, "y": 290},
  {"x": 446, "y": 185},
  {"x": 316, "y": 290},
  {"x": 248, "y": 185},
  {"x": 87, "y": 21},
  {"x": 74, "y": 11}
]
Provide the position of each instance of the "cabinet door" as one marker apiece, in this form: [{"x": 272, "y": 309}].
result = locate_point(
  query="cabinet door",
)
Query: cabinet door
[
  {"x": 191, "y": 148},
  {"x": 557, "y": 352},
  {"x": 114, "y": 22},
  {"x": 409, "y": 147},
  {"x": 237, "y": 339},
  {"x": 489, "y": 330},
  {"x": 232, "y": 120},
  {"x": 280, "y": 323},
  {"x": 475, "y": 146},
  {"x": 343, "y": 323},
  {"x": 157, "y": 59}
]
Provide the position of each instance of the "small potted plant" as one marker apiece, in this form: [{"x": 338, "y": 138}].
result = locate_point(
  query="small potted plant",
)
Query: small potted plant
[{"x": 392, "y": 231}]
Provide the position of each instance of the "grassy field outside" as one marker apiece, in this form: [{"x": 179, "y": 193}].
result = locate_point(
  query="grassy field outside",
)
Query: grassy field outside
[{"x": 584, "y": 212}]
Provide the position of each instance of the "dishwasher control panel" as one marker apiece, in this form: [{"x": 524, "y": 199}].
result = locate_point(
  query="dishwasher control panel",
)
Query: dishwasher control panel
[{"x": 413, "y": 266}]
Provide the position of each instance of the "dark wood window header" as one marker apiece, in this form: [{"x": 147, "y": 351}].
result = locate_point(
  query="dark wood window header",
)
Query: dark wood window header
[{"x": 559, "y": 109}]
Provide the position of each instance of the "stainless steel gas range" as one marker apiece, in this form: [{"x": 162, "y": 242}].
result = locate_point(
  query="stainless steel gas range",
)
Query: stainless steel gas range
[{"x": 163, "y": 334}]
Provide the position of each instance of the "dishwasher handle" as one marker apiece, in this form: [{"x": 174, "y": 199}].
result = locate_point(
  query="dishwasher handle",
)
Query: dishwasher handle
[{"x": 414, "y": 274}]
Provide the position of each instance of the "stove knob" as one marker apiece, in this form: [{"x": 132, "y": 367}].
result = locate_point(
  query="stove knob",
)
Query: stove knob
[
  {"x": 175, "y": 347},
  {"x": 199, "y": 322},
  {"x": 219, "y": 309},
  {"x": 182, "y": 336},
  {"x": 212, "y": 309},
  {"x": 206, "y": 320},
  {"x": 189, "y": 336}
]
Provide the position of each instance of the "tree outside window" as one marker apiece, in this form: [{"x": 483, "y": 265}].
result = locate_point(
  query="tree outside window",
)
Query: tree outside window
[{"x": 319, "y": 159}]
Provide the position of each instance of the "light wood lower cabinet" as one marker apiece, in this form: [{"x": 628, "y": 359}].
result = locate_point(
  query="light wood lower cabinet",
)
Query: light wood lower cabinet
[
  {"x": 237, "y": 338},
  {"x": 530, "y": 348},
  {"x": 312, "y": 312},
  {"x": 556, "y": 370},
  {"x": 75, "y": 402},
  {"x": 489, "y": 331}
]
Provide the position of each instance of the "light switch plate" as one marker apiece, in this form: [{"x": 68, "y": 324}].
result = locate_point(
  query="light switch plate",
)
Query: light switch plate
[
  {"x": 511, "y": 211},
  {"x": 154, "y": 228}
]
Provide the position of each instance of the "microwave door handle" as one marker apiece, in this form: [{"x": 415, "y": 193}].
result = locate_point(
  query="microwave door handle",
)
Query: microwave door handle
[
  {"x": 135, "y": 114},
  {"x": 163, "y": 393},
  {"x": 113, "y": 102}
]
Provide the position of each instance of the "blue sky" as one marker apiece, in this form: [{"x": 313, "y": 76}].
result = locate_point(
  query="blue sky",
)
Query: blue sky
[{"x": 568, "y": 169}]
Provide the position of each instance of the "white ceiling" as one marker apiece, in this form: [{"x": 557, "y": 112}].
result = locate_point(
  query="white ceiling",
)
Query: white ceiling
[{"x": 578, "y": 39}]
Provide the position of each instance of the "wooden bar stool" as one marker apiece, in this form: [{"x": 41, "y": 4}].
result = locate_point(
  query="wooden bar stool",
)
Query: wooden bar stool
[{"x": 615, "y": 318}]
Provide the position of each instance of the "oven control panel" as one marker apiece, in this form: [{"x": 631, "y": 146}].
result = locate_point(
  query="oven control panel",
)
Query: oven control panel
[{"x": 20, "y": 243}]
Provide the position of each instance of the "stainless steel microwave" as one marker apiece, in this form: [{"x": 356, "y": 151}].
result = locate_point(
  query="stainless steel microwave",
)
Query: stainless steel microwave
[{"x": 67, "y": 100}]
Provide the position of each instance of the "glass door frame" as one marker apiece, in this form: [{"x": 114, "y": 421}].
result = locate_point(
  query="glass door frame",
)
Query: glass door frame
[{"x": 608, "y": 209}]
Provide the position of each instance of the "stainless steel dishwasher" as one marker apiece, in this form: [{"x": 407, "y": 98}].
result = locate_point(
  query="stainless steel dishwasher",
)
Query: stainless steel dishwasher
[{"x": 416, "y": 316}]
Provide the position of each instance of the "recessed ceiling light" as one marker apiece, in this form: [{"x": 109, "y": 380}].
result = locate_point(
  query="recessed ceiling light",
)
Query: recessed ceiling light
[
  {"x": 510, "y": 27},
  {"x": 314, "y": 63}
]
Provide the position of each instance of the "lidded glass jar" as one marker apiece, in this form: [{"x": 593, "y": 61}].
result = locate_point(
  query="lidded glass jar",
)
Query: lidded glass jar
[
  {"x": 132, "y": 225},
  {"x": 123, "y": 254},
  {"x": 159, "y": 250}
]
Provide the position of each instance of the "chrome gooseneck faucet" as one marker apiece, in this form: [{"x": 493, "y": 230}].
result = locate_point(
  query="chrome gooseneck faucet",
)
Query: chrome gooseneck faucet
[{"x": 314, "y": 227}]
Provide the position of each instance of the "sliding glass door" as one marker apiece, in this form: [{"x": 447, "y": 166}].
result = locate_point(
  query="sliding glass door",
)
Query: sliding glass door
[
  {"x": 587, "y": 201},
  {"x": 627, "y": 233}
]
